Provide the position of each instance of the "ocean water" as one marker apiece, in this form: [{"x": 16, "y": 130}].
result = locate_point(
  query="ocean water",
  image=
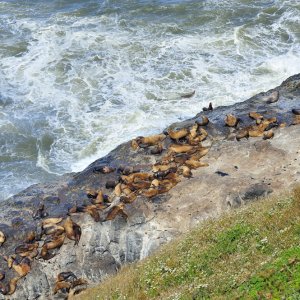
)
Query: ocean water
[{"x": 77, "y": 78}]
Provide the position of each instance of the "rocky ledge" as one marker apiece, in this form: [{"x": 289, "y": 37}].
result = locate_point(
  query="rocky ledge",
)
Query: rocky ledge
[{"x": 57, "y": 238}]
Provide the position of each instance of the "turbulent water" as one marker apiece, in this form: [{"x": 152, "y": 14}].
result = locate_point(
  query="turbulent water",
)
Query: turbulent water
[{"x": 77, "y": 78}]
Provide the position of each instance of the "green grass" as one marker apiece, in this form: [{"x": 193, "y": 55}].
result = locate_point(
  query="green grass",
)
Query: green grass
[{"x": 250, "y": 253}]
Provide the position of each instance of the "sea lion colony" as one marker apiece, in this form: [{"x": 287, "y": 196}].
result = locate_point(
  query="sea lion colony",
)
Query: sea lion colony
[{"x": 179, "y": 151}]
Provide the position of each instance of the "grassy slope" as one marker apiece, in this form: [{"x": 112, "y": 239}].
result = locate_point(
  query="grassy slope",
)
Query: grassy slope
[{"x": 251, "y": 253}]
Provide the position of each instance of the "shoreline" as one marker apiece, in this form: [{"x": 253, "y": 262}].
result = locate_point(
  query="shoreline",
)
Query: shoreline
[{"x": 105, "y": 246}]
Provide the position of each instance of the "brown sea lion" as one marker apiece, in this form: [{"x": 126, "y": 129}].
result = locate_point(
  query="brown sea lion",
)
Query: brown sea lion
[
  {"x": 231, "y": 120},
  {"x": 268, "y": 135},
  {"x": 180, "y": 148},
  {"x": 92, "y": 210},
  {"x": 72, "y": 229},
  {"x": 296, "y": 120},
  {"x": 99, "y": 198},
  {"x": 66, "y": 276},
  {"x": 129, "y": 198},
  {"x": 204, "y": 121},
  {"x": 150, "y": 140},
  {"x": 52, "y": 228},
  {"x": 13, "y": 285},
  {"x": 26, "y": 248},
  {"x": 62, "y": 285},
  {"x": 136, "y": 176},
  {"x": 185, "y": 171},
  {"x": 52, "y": 242},
  {"x": 255, "y": 132},
  {"x": 2, "y": 238},
  {"x": 22, "y": 267},
  {"x": 134, "y": 145},
  {"x": 194, "y": 164},
  {"x": 272, "y": 98},
  {"x": 103, "y": 169},
  {"x": 2, "y": 275},
  {"x": 179, "y": 134},
  {"x": 255, "y": 116},
  {"x": 51, "y": 221},
  {"x": 118, "y": 189},
  {"x": 158, "y": 149},
  {"x": 31, "y": 236},
  {"x": 242, "y": 133},
  {"x": 91, "y": 193},
  {"x": 114, "y": 211}
]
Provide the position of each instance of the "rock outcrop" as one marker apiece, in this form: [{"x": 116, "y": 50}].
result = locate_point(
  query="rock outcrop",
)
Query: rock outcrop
[{"x": 238, "y": 172}]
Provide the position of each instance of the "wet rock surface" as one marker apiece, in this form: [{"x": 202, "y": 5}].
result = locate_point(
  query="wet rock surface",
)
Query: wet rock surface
[{"x": 238, "y": 172}]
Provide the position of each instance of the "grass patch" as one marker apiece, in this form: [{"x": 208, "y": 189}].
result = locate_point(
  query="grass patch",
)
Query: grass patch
[{"x": 251, "y": 253}]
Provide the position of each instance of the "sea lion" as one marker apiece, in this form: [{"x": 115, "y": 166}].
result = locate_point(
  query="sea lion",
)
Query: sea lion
[
  {"x": 296, "y": 111},
  {"x": 158, "y": 149},
  {"x": 152, "y": 192},
  {"x": 188, "y": 95},
  {"x": 194, "y": 164},
  {"x": 52, "y": 242},
  {"x": 296, "y": 120},
  {"x": 242, "y": 133},
  {"x": 103, "y": 169},
  {"x": 63, "y": 286},
  {"x": 179, "y": 134},
  {"x": 180, "y": 148},
  {"x": 272, "y": 98},
  {"x": 150, "y": 140},
  {"x": 10, "y": 259},
  {"x": 231, "y": 120},
  {"x": 139, "y": 185},
  {"x": 134, "y": 145},
  {"x": 23, "y": 248},
  {"x": 73, "y": 230},
  {"x": 52, "y": 221},
  {"x": 268, "y": 135},
  {"x": 210, "y": 107},
  {"x": 2, "y": 238},
  {"x": 203, "y": 134},
  {"x": 135, "y": 176},
  {"x": 22, "y": 267},
  {"x": 185, "y": 171},
  {"x": 114, "y": 211},
  {"x": 92, "y": 194},
  {"x": 204, "y": 121},
  {"x": 127, "y": 170},
  {"x": 66, "y": 276},
  {"x": 193, "y": 131},
  {"x": 255, "y": 116},
  {"x": 162, "y": 168},
  {"x": 91, "y": 210},
  {"x": 31, "y": 236},
  {"x": 13, "y": 285},
  {"x": 118, "y": 189},
  {"x": 52, "y": 228},
  {"x": 255, "y": 132},
  {"x": 129, "y": 198},
  {"x": 99, "y": 198},
  {"x": 2, "y": 275},
  {"x": 180, "y": 158}
]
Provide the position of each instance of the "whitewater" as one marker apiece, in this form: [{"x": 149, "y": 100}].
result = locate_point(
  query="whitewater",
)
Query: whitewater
[{"x": 77, "y": 78}]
